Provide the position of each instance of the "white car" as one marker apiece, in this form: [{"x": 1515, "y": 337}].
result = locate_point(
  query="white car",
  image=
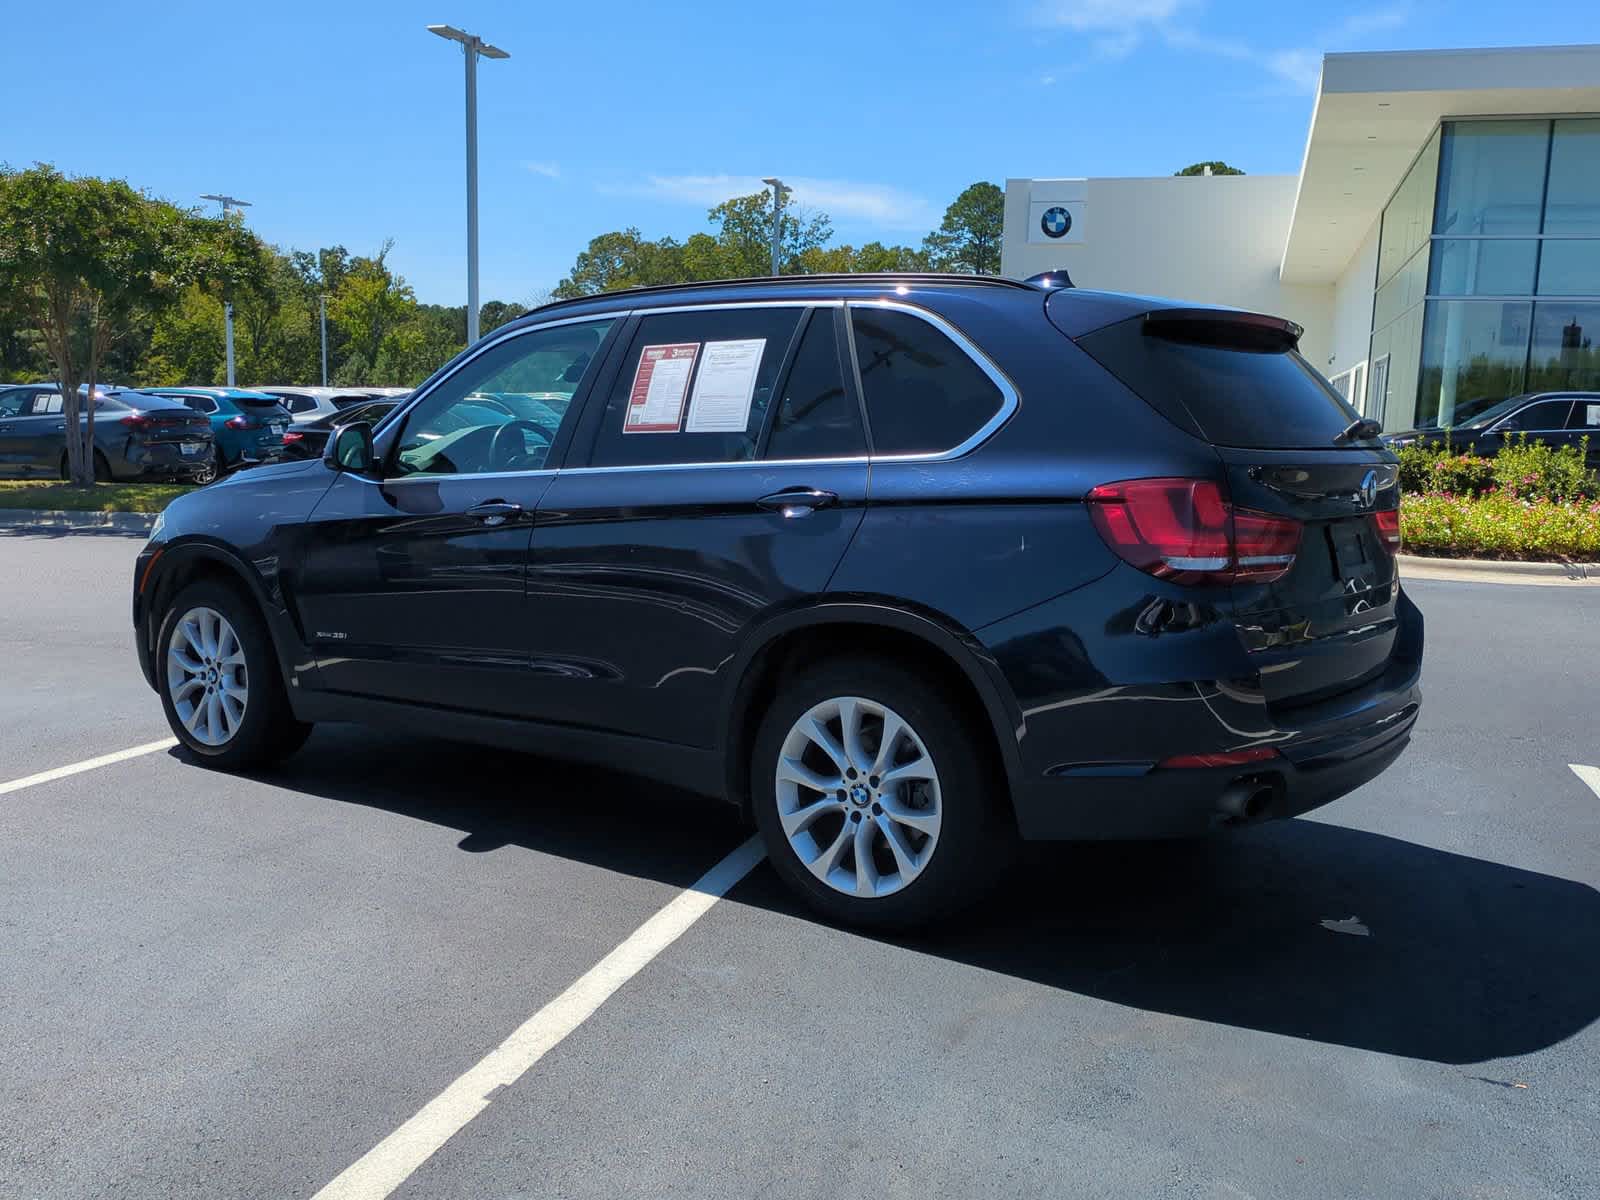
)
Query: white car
[{"x": 313, "y": 403}]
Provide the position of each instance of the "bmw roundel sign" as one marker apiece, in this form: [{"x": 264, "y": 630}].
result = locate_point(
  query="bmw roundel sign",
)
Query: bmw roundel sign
[{"x": 1056, "y": 222}]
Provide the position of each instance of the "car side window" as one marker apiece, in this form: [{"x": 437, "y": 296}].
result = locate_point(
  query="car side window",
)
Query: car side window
[
  {"x": 816, "y": 416},
  {"x": 201, "y": 404},
  {"x": 44, "y": 404},
  {"x": 503, "y": 409},
  {"x": 924, "y": 394},
  {"x": 298, "y": 404},
  {"x": 1545, "y": 415},
  {"x": 11, "y": 402},
  {"x": 695, "y": 387},
  {"x": 1585, "y": 416}
]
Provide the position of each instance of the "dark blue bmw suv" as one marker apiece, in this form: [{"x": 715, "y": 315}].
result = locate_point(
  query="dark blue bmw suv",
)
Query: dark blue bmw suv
[{"x": 906, "y": 566}]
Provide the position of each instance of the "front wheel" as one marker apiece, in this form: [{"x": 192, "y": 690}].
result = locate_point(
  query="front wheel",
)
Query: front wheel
[
  {"x": 875, "y": 802},
  {"x": 220, "y": 684}
]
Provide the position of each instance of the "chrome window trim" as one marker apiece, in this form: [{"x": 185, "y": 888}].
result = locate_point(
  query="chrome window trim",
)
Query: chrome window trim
[{"x": 1010, "y": 400}]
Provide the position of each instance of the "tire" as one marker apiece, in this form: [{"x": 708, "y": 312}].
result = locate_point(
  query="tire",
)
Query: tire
[
  {"x": 102, "y": 468},
  {"x": 250, "y": 724},
  {"x": 953, "y": 843},
  {"x": 212, "y": 470}
]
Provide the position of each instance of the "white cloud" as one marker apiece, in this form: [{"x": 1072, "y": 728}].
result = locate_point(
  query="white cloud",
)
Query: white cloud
[
  {"x": 1114, "y": 29},
  {"x": 844, "y": 200},
  {"x": 549, "y": 170}
]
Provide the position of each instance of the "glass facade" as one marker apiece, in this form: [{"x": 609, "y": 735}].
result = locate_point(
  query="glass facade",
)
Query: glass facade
[{"x": 1502, "y": 294}]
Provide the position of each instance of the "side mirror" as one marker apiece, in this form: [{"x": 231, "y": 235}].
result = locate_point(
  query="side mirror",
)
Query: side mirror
[{"x": 349, "y": 448}]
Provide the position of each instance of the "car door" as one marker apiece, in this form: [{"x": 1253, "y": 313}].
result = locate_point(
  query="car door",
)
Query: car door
[
  {"x": 40, "y": 436},
  {"x": 410, "y": 581},
  {"x": 1585, "y": 423},
  {"x": 1541, "y": 421},
  {"x": 725, "y": 473},
  {"x": 16, "y": 451}
]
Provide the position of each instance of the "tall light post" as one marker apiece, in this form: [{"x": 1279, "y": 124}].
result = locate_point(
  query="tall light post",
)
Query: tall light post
[
  {"x": 472, "y": 46},
  {"x": 777, "y": 219},
  {"x": 322, "y": 304},
  {"x": 227, "y": 305}
]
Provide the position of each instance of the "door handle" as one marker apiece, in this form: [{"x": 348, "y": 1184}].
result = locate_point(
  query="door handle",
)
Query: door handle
[
  {"x": 495, "y": 512},
  {"x": 797, "y": 502}
]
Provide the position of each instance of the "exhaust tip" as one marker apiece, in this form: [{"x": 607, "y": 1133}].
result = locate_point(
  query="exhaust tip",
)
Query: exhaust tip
[{"x": 1245, "y": 800}]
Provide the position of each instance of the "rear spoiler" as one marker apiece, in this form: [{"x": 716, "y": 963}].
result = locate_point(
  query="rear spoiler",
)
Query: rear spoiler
[{"x": 1224, "y": 328}]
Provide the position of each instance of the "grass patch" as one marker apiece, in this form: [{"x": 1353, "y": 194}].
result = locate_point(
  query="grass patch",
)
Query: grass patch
[
  {"x": 1500, "y": 525},
  {"x": 51, "y": 496}
]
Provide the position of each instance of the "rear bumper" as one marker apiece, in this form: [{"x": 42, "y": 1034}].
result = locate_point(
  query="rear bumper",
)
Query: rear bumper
[
  {"x": 1090, "y": 754},
  {"x": 1165, "y": 803}
]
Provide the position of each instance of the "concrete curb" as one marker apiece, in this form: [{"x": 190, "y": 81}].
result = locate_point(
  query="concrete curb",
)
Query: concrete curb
[
  {"x": 55, "y": 521},
  {"x": 1484, "y": 570}
]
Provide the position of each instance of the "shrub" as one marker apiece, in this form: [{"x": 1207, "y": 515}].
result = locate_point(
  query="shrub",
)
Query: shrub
[
  {"x": 1500, "y": 525},
  {"x": 1536, "y": 471}
]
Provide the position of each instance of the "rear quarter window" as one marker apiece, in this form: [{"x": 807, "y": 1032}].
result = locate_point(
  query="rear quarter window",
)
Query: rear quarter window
[
  {"x": 1229, "y": 395},
  {"x": 924, "y": 394}
]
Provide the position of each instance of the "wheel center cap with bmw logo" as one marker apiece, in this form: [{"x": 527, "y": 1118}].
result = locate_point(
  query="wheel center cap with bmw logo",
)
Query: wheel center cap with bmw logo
[
  {"x": 860, "y": 796},
  {"x": 1055, "y": 222}
]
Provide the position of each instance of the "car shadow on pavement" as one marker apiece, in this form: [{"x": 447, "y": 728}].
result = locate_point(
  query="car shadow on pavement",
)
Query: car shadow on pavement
[{"x": 1302, "y": 927}]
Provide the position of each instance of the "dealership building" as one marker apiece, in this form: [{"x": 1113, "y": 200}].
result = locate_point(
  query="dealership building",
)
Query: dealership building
[{"x": 1440, "y": 245}]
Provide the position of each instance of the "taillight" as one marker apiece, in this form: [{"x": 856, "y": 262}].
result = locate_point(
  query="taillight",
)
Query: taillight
[
  {"x": 1187, "y": 531},
  {"x": 1389, "y": 529},
  {"x": 243, "y": 422},
  {"x": 136, "y": 421},
  {"x": 293, "y": 436}
]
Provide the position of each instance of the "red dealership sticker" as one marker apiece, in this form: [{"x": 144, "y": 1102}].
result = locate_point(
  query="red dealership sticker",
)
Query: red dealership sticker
[{"x": 660, "y": 385}]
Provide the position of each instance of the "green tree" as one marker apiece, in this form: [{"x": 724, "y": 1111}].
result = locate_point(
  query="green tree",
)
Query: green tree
[
  {"x": 84, "y": 260},
  {"x": 968, "y": 239},
  {"x": 1215, "y": 168},
  {"x": 371, "y": 304}
]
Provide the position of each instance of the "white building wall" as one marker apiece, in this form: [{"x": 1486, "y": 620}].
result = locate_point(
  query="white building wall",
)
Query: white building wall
[
  {"x": 1350, "y": 333},
  {"x": 1212, "y": 239}
]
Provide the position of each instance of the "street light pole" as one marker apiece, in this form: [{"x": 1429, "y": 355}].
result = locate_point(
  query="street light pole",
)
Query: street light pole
[
  {"x": 322, "y": 304},
  {"x": 227, "y": 305},
  {"x": 777, "y": 220},
  {"x": 472, "y": 46}
]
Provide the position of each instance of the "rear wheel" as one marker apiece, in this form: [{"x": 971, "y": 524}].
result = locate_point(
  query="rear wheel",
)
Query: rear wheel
[
  {"x": 220, "y": 684},
  {"x": 213, "y": 467},
  {"x": 875, "y": 803}
]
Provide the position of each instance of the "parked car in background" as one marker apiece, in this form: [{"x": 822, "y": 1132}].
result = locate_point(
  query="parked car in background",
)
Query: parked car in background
[
  {"x": 1555, "y": 418},
  {"x": 247, "y": 426},
  {"x": 309, "y": 438},
  {"x": 392, "y": 393},
  {"x": 902, "y": 565},
  {"x": 137, "y": 435},
  {"x": 313, "y": 403}
]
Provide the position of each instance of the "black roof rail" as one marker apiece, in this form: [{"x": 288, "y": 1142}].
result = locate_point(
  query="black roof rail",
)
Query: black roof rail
[{"x": 888, "y": 277}]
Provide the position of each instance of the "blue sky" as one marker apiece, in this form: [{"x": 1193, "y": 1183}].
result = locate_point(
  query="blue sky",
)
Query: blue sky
[{"x": 343, "y": 122}]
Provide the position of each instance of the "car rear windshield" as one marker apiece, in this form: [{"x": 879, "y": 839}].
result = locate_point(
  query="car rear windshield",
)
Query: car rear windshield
[
  {"x": 1229, "y": 391},
  {"x": 259, "y": 401}
]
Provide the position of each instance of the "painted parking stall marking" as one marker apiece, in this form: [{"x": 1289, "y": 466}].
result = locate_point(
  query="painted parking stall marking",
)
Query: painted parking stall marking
[
  {"x": 388, "y": 1164},
  {"x": 1590, "y": 775},
  {"x": 88, "y": 764}
]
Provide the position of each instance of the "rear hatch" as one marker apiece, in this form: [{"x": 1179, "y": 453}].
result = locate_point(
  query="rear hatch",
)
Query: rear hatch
[
  {"x": 163, "y": 420},
  {"x": 271, "y": 416},
  {"x": 1329, "y": 621}
]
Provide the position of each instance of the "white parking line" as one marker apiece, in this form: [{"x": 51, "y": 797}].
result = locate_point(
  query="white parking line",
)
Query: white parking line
[
  {"x": 88, "y": 764},
  {"x": 1590, "y": 775},
  {"x": 388, "y": 1164}
]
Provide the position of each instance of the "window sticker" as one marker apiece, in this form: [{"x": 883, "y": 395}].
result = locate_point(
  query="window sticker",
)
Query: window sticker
[
  {"x": 660, "y": 384},
  {"x": 1591, "y": 414},
  {"x": 725, "y": 387}
]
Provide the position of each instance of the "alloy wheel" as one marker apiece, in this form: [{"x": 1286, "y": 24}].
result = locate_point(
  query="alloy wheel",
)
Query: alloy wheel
[
  {"x": 858, "y": 797},
  {"x": 206, "y": 676}
]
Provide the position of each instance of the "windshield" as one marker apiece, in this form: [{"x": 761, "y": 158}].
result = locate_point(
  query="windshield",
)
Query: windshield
[{"x": 1482, "y": 417}]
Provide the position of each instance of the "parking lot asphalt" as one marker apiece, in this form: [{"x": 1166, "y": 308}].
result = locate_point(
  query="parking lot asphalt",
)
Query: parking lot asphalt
[{"x": 214, "y": 985}]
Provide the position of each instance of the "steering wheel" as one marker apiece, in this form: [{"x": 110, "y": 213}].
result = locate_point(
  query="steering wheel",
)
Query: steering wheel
[{"x": 504, "y": 450}]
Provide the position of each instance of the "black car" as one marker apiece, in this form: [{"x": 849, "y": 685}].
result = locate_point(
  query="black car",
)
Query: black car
[
  {"x": 308, "y": 439},
  {"x": 137, "y": 436},
  {"x": 1485, "y": 428},
  {"x": 902, "y": 565}
]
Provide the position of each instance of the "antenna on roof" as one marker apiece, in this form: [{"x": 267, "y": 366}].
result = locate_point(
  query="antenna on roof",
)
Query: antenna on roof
[{"x": 1051, "y": 279}]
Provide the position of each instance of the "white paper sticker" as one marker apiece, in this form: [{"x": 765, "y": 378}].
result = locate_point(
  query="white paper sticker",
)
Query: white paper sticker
[
  {"x": 725, "y": 387},
  {"x": 655, "y": 402},
  {"x": 1591, "y": 414}
]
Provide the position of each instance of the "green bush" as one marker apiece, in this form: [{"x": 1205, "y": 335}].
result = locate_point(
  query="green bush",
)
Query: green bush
[
  {"x": 1536, "y": 471},
  {"x": 1500, "y": 525}
]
